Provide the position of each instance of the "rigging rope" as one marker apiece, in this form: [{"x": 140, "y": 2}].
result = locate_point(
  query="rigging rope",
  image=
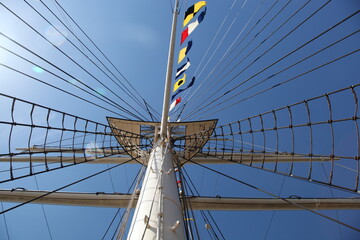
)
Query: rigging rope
[
  {"x": 275, "y": 74},
  {"x": 273, "y": 212},
  {"x": 286, "y": 81},
  {"x": 279, "y": 27},
  {"x": 230, "y": 48},
  {"x": 61, "y": 90},
  {"x": 225, "y": 56},
  {"x": 125, "y": 219},
  {"x": 333, "y": 196},
  {"x": 273, "y": 63},
  {"x": 85, "y": 134},
  {"x": 276, "y": 196},
  {"x": 43, "y": 210},
  {"x": 186, "y": 205},
  {"x": 202, "y": 212},
  {"x": 102, "y": 53},
  {"x": 276, "y": 137},
  {"x": 63, "y": 187},
  {"x": 82, "y": 52},
  {"x": 108, "y": 101},
  {"x": 5, "y": 222},
  {"x": 117, "y": 212},
  {"x": 71, "y": 59}
]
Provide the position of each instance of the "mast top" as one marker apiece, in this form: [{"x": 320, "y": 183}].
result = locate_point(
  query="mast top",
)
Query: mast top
[{"x": 166, "y": 102}]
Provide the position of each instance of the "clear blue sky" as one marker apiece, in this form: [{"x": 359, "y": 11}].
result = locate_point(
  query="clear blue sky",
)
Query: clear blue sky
[{"x": 135, "y": 36}]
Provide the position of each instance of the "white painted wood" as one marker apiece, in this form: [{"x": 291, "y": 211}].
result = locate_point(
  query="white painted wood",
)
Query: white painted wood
[
  {"x": 197, "y": 203},
  {"x": 158, "y": 207},
  {"x": 244, "y": 158}
]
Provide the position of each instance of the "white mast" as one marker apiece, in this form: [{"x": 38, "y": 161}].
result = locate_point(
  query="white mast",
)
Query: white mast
[
  {"x": 158, "y": 213},
  {"x": 170, "y": 63}
]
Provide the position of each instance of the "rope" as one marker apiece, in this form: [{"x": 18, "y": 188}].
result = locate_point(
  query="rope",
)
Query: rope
[
  {"x": 117, "y": 212},
  {"x": 224, "y": 57},
  {"x": 278, "y": 197},
  {"x": 95, "y": 45},
  {"x": 125, "y": 219},
  {"x": 292, "y": 65},
  {"x": 61, "y": 90},
  {"x": 288, "y": 19},
  {"x": 332, "y": 194},
  {"x": 63, "y": 187},
  {"x": 208, "y": 212},
  {"x": 108, "y": 101},
  {"x": 5, "y": 222},
  {"x": 273, "y": 63},
  {"x": 82, "y": 52},
  {"x": 83, "y": 131},
  {"x": 230, "y": 48},
  {"x": 71, "y": 59},
  {"x": 286, "y": 81},
  {"x": 269, "y": 140},
  {"x": 43, "y": 210},
  {"x": 273, "y": 212}
]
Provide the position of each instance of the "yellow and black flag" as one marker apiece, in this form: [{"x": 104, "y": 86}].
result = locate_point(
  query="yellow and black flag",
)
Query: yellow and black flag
[
  {"x": 190, "y": 13},
  {"x": 183, "y": 52},
  {"x": 179, "y": 83}
]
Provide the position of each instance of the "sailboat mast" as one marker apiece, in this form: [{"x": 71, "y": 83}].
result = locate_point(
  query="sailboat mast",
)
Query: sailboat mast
[
  {"x": 170, "y": 63},
  {"x": 158, "y": 213}
]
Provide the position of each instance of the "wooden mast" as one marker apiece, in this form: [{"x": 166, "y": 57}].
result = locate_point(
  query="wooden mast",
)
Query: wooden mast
[{"x": 158, "y": 213}]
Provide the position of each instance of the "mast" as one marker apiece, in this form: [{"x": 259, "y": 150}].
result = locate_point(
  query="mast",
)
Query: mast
[
  {"x": 170, "y": 63},
  {"x": 158, "y": 212}
]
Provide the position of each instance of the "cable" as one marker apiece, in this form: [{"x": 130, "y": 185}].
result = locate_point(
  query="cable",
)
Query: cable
[
  {"x": 279, "y": 27},
  {"x": 222, "y": 39},
  {"x": 100, "y": 50},
  {"x": 224, "y": 57},
  {"x": 111, "y": 179},
  {"x": 5, "y": 222},
  {"x": 332, "y": 194},
  {"x": 185, "y": 203},
  {"x": 288, "y": 80},
  {"x": 117, "y": 212},
  {"x": 273, "y": 212},
  {"x": 125, "y": 218},
  {"x": 61, "y": 90},
  {"x": 61, "y": 188},
  {"x": 189, "y": 209},
  {"x": 260, "y": 44},
  {"x": 284, "y": 69},
  {"x": 209, "y": 85},
  {"x": 278, "y": 197},
  {"x": 132, "y": 97},
  {"x": 256, "y": 59},
  {"x": 43, "y": 210},
  {"x": 75, "y": 62},
  {"x": 216, "y": 225},
  {"x": 22, "y": 46},
  {"x": 112, "y": 221},
  {"x": 113, "y": 104},
  {"x": 334, "y": 43}
]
